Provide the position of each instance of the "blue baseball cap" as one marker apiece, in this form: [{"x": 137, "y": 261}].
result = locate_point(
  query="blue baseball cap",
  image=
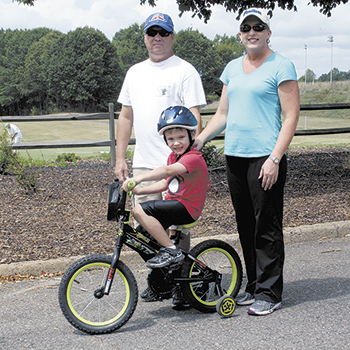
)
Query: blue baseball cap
[{"x": 161, "y": 20}]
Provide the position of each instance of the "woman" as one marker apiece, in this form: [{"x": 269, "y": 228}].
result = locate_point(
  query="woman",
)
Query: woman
[{"x": 257, "y": 88}]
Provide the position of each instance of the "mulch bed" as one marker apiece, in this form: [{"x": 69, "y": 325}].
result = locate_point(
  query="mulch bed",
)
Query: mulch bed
[{"x": 67, "y": 214}]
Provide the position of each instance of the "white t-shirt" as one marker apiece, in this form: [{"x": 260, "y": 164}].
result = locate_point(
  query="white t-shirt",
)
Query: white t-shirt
[
  {"x": 14, "y": 130},
  {"x": 150, "y": 88}
]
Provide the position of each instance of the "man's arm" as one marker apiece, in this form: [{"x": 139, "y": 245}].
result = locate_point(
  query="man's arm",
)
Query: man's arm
[
  {"x": 124, "y": 128},
  {"x": 196, "y": 113}
]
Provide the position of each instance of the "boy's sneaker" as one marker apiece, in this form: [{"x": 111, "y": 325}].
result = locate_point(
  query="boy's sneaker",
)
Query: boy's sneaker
[
  {"x": 165, "y": 257},
  {"x": 148, "y": 296},
  {"x": 262, "y": 308},
  {"x": 179, "y": 302},
  {"x": 245, "y": 299}
]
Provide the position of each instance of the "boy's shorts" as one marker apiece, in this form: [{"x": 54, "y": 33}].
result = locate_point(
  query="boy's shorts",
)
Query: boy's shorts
[{"x": 168, "y": 213}]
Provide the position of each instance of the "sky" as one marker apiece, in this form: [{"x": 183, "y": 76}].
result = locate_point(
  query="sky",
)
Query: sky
[{"x": 301, "y": 36}]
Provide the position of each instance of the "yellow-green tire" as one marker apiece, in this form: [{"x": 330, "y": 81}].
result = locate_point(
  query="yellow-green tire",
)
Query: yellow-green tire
[
  {"x": 220, "y": 257},
  {"x": 84, "y": 304}
]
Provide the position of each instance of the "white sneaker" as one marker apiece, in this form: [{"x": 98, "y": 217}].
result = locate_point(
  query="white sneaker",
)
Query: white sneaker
[
  {"x": 262, "y": 308},
  {"x": 245, "y": 299}
]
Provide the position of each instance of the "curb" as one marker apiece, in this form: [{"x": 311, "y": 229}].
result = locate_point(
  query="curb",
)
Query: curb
[{"x": 291, "y": 235}]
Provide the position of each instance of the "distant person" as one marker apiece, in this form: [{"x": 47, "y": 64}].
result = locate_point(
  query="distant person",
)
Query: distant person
[
  {"x": 14, "y": 132},
  {"x": 151, "y": 86},
  {"x": 257, "y": 88}
]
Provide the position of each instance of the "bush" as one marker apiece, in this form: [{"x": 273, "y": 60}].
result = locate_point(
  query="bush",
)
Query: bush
[
  {"x": 12, "y": 164},
  {"x": 5, "y": 154},
  {"x": 64, "y": 158},
  {"x": 213, "y": 156}
]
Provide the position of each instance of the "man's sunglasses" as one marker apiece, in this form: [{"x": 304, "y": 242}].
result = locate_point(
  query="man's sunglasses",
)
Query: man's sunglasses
[
  {"x": 245, "y": 28},
  {"x": 153, "y": 32}
]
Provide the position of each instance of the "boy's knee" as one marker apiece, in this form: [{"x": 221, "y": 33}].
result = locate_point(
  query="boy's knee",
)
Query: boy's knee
[{"x": 138, "y": 211}]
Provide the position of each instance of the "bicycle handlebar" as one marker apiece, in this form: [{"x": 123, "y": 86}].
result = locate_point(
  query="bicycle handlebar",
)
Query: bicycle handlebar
[{"x": 131, "y": 185}]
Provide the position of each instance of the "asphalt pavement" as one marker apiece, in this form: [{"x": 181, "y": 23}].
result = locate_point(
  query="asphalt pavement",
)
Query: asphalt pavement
[{"x": 315, "y": 312}]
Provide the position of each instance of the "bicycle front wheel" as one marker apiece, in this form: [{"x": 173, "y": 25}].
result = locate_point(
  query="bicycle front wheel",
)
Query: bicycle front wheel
[
  {"x": 82, "y": 300},
  {"x": 225, "y": 263}
]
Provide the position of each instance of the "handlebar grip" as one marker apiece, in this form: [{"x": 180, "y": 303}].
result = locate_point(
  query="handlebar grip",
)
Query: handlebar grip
[{"x": 131, "y": 185}]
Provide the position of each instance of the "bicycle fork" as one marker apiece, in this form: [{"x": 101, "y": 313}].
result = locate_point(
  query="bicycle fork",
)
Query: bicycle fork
[{"x": 115, "y": 259}]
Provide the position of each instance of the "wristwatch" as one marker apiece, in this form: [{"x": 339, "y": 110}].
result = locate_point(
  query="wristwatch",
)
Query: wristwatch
[{"x": 274, "y": 159}]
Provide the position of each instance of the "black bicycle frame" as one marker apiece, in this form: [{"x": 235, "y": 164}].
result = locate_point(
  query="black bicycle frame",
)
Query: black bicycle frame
[{"x": 147, "y": 248}]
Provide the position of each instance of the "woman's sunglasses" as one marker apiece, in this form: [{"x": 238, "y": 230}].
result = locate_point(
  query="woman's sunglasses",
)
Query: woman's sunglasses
[
  {"x": 245, "y": 28},
  {"x": 153, "y": 32}
]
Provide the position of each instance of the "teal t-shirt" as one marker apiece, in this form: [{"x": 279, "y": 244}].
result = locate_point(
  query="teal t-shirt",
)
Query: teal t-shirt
[{"x": 254, "y": 114}]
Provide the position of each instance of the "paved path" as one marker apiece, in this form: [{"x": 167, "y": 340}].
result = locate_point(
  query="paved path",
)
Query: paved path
[{"x": 315, "y": 313}]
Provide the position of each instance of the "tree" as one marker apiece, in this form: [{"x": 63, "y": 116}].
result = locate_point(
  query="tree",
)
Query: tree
[
  {"x": 201, "y": 8},
  {"x": 25, "y": 2},
  {"x": 228, "y": 47},
  {"x": 84, "y": 71},
  {"x": 337, "y": 75},
  {"x": 14, "y": 47},
  {"x": 35, "y": 82},
  {"x": 310, "y": 76},
  {"x": 208, "y": 57},
  {"x": 197, "y": 49},
  {"x": 130, "y": 46}
]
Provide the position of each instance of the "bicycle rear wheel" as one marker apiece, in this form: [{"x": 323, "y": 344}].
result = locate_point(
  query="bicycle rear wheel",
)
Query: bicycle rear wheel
[
  {"x": 221, "y": 258},
  {"x": 82, "y": 300}
]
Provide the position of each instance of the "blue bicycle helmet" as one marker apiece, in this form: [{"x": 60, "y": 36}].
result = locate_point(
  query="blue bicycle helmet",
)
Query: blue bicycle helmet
[{"x": 177, "y": 116}]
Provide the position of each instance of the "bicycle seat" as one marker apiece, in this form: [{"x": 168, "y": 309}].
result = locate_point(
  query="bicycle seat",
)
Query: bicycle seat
[{"x": 185, "y": 228}]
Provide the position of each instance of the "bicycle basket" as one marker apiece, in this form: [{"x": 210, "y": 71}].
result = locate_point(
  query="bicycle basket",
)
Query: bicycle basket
[{"x": 114, "y": 200}]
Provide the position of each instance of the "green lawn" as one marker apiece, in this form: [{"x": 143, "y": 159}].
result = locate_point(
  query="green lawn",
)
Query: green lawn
[
  {"x": 95, "y": 130},
  {"x": 307, "y": 121},
  {"x": 99, "y": 130},
  {"x": 64, "y": 131}
]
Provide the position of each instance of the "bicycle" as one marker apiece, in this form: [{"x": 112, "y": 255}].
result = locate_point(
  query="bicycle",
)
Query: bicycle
[{"x": 98, "y": 294}]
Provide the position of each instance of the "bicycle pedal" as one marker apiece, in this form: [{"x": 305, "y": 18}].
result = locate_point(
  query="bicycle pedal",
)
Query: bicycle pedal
[{"x": 174, "y": 266}]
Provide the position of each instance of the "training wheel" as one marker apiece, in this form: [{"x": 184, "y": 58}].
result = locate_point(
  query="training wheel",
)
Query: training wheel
[{"x": 226, "y": 306}]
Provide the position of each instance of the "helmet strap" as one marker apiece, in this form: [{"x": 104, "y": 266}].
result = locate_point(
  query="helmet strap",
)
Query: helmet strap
[{"x": 189, "y": 146}]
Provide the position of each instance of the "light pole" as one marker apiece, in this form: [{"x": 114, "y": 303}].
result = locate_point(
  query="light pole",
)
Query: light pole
[
  {"x": 305, "y": 48},
  {"x": 330, "y": 40}
]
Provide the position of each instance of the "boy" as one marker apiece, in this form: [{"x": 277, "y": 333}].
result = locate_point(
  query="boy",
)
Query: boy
[{"x": 185, "y": 178}]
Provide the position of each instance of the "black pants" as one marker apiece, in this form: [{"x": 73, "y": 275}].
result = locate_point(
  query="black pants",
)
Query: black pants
[
  {"x": 167, "y": 212},
  {"x": 259, "y": 217}
]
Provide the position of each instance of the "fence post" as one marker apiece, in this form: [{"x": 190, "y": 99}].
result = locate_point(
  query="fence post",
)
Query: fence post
[{"x": 112, "y": 133}]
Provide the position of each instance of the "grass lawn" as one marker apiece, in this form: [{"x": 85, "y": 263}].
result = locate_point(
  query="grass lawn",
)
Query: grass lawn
[
  {"x": 64, "y": 131},
  {"x": 99, "y": 130},
  {"x": 96, "y": 130},
  {"x": 307, "y": 121}
]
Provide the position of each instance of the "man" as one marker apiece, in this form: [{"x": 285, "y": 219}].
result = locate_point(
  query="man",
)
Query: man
[
  {"x": 14, "y": 132},
  {"x": 151, "y": 86}
]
